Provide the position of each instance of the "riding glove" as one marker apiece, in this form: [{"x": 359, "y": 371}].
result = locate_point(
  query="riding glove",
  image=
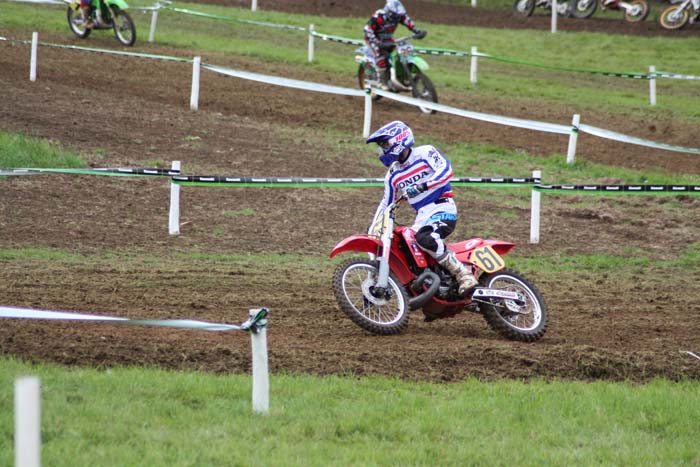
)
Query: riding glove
[
  {"x": 414, "y": 190},
  {"x": 419, "y": 34}
]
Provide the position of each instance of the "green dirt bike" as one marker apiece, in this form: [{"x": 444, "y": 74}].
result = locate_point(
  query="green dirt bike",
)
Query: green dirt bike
[
  {"x": 104, "y": 14},
  {"x": 405, "y": 73}
]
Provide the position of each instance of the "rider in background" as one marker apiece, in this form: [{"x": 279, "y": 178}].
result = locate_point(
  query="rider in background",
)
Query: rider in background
[
  {"x": 422, "y": 174},
  {"x": 379, "y": 35}
]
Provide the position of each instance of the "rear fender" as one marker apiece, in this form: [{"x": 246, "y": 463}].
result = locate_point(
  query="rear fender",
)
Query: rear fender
[
  {"x": 464, "y": 249},
  {"x": 371, "y": 244}
]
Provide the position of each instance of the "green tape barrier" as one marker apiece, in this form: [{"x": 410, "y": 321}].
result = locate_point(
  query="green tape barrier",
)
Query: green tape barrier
[
  {"x": 621, "y": 189},
  {"x": 112, "y": 172}
]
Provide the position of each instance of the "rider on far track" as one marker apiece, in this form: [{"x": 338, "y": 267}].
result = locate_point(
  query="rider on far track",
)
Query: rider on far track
[{"x": 379, "y": 36}]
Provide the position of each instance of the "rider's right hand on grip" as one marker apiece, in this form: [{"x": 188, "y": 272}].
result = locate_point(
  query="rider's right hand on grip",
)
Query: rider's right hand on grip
[{"x": 419, "y": 34}]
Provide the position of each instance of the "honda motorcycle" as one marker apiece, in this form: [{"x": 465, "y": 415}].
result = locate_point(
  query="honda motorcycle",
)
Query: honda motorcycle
[
  {"x": 679, "y": 14},
  {"x": 378, "y": 293},
  {"x": 527, "y": 7},
  {"x": 635, "y": 10},
  {"x": 405, "y": 72},
  {"x": 104, "y": 14}
]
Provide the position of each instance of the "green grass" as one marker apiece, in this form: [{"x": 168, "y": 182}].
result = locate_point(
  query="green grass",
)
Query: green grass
[
  {"x": 137, "y": 416},
  {"x": 19, "y": 151}
]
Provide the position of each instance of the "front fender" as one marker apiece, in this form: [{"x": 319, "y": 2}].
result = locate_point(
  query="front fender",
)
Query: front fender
[
  {"x": 362, "y": 243},
  {"x": 419, "y": 62},
  {"x": 121, "y": 4}
]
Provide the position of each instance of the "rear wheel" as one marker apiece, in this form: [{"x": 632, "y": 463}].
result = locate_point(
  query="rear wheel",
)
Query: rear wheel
[
  {"x": 76, "y": 23},
  {"x": 674, "y": 17},
  {"x": 583, "y": 9},
  {"x": 639, "y": 11},
  {"x": 524, "y": 7},
  {"x": 424, "y": 89},
  {"x": 124, "y": 28},
  {"x": 380, "y": 312},
  {"x": 525, "y": 320}
]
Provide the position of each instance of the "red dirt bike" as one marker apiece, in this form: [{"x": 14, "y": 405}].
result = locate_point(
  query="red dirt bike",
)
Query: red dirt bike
[
  {"x": 374, "y": 292},
  {"x": 635, "y": 10}
]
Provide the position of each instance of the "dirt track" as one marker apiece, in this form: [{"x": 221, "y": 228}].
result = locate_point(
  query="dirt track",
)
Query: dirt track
[{"x": 603, "y": 325}]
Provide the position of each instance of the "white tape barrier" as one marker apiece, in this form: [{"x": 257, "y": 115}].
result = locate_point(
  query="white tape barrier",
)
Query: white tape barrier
[
  {"x": 27, "y": 422},
  {"x": 608, "y": 134}
]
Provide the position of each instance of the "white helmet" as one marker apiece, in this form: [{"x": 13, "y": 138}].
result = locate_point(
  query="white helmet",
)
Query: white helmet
[{"x": 394, "y": 9}]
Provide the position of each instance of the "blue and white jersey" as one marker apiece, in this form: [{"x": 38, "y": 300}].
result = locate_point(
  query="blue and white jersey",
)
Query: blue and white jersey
[{"x": 426, "y": 165}]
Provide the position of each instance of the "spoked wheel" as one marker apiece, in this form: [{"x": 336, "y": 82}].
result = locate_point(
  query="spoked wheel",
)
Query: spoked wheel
[
  {"x": 584, "y": 9},
  {"x": 638, "y": 12},
  {"x": 380, "y": 312},
  {"x": 424, "y": 89},
  {"x": 76, "y": 23},
  {"x": 124, "y": 27},
  {"x": 525, "y": 320},
  {"x": 674, "y": 17},
  {"x": 524, "y": 7},
  {"x": 361, "y": 75}
]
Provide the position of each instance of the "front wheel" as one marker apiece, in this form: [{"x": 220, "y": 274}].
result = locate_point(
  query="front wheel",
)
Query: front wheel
[
  {"x": 424, "y": 89},
  {"x": 524, "y": 7},
  {"x": 76, "y": 23},
  {"x": 380, "y": 312},
  {"x": 525, "y": 320},
  {"x": 124, "y": 28},
  {"x": 638, "y": 12},
  {"x": 674, "y": 17},
  {"x": 583, "y": 9}
]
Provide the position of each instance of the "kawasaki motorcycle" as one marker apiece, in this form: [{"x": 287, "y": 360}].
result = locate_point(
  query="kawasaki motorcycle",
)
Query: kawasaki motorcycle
[
  {"x": 104, "y": 14},
  {"x": 379, "y": 292},
  {"x": 405, "y": 72}
]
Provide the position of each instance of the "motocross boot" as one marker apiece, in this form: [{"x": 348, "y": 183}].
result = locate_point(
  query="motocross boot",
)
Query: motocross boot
[
  {"x": 381, "y": 73},
  {"x": 464, "y": 277},
  {"x": 85, "y": 11}
]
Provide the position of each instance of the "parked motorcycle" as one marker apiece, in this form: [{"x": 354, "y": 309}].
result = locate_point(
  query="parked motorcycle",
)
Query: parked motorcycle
[
  {"x": 527, "y": 7},
  {"x": 377, "y": 293},
  {"x": 679, "y": 14},
  {"x": 405, "y": 72},
  {"x": 635, "y": 10},
  {"x": 104, "y": 14}
]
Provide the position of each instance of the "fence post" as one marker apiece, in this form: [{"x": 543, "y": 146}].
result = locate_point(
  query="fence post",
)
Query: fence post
[
  {"x": 174, "y": 217},
  {"x": 27, "y": 422},
  {"x": 535, "y": 210},
  {"x": 311, "y": 43},
  {"x": 194, "y": 97},
  {"x": 573, "y": 139},
  {"x": 368, "y": 114},
  {"x": 32, "y": 63},
  {"x": 554, "y": 16},
  {"x": 652, "y": 85},
  {"x": 261, "y": 378},
  {"x": 254, "y": 5},
  {"x": 472, "y": 68},
  {"x": 473, "y": 3},
  {"x": 154, "y": 20}
]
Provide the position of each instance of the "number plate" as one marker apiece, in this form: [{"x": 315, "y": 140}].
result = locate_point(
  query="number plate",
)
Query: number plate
[{"x": 487, "y": 259}]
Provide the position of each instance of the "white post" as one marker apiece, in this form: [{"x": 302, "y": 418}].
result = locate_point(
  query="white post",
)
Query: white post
[
  {"x": 261, "y": 379},
  {"x": 535, "y": 210},
  {"x": 473, "y": 3},
  {"x": 368, "y": 114},
  {"x": 554, "y": 16},
  {"x": 254, "y": 5},
  {"x": 472, "y": 68},
  {"x": 27, "y": 422},
  {"x": 32, "y": 66},
  {"x": 194, "y": 97},
  {"x": 652, "y": 85},
  {"x": 573, "y": 139},
  {"x": 154, "y": 20},
  {"x": 174, "y": 217},
  {"x": 311, "y": 43}
]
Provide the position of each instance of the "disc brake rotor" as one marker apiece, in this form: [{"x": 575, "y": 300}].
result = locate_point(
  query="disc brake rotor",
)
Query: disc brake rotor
[{"x": 367, "y": 294}]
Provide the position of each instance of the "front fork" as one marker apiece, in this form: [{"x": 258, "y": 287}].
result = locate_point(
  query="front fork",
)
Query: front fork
[{"x": 383, "y": 278}]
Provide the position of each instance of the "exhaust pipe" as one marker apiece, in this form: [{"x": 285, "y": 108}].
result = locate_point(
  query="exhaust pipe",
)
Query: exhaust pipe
[
  {"x": 420, "y": 300},
  {"x": 395, "y": 82}
]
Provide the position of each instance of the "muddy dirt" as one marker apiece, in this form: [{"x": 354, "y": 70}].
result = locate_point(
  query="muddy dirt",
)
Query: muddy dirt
[{"x": 603, "y": 325}]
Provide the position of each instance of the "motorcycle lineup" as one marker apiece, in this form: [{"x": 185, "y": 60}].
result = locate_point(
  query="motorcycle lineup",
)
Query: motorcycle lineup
[
  {"x": 527, "y": 7},
  {"x": 379, "y": 292},
  {"x": 405, "y": 72},
  {"x": 104, "y": 14},
  {"x": 680, "y": 13}
]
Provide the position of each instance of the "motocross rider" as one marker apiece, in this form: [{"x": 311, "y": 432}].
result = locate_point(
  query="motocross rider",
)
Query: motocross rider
[
  {"x": 422, "y": 174},
  {"x": 379, "y": 36}
]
